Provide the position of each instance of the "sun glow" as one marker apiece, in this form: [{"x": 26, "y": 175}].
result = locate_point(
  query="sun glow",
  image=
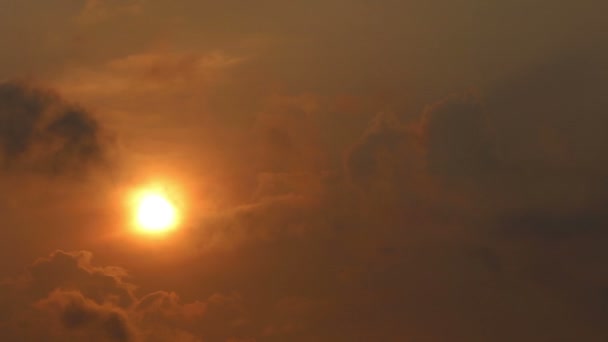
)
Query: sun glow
[{"x": 155, "y": 213}]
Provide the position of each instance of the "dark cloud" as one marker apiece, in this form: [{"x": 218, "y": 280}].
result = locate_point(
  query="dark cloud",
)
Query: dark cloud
[
  {"x": 388, "y": 163},
  {"x": 22, "y": 109},
  {"x": 530, "y": 144},
  {"x": 38, "y": 128},
  {"x": 384, "y": 135},
  {"x": 515, "y": 171},
  {"x": 457, "y": 141},
  {"x": 90, "y": 319},
  {"x": 554, "y": 225}
]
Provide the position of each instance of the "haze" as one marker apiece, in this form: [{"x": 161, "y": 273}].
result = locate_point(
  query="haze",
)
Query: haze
[{"x": 342, "y": 170}]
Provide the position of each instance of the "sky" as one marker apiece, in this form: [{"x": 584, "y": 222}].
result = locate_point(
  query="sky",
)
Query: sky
[{"x": 342, "y": 170}]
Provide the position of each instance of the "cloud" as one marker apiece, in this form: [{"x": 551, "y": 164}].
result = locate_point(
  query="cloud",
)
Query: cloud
[
  {"x": 268, "y": 219},
  {"x": 162, "y": 73},
  {"x": 167, "y": 305},
  {"x": 64, "y": 296},
  {"x": 455, "y": 135},
  {"x": 74, "y": 271},
  {"x": 96, "y": 11},
  {"x": 88, "y": 318},
  {"x": 476, "y": 212},
  {"x": 41, "y": 130},
  {"x": 528, "y": 146},
  {"x": 389, "y": 163},
  {"x": 384, "y": 136},
  {"x": 493, "y": 194}
]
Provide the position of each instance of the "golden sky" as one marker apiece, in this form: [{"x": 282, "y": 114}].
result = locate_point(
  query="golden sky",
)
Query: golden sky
[{"x": 303, "y": 171}]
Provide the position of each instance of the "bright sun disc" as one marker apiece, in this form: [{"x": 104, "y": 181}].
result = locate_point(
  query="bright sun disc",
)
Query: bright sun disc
[{"x": 155, "y": 213}]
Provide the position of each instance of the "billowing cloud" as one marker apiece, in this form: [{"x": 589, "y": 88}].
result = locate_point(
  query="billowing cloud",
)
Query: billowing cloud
[
  {"x": 86, "y": 318},
  {"x": 74, "y": 271},
  {"x": 455, "y": 134},
  {"x": 64, "y": 297}
]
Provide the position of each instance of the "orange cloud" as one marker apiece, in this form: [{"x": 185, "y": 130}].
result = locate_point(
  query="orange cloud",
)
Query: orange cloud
[{"x": 74, "y": 299}]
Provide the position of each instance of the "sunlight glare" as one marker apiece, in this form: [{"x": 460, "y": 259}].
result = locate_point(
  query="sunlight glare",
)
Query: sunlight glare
[{"x": 155, "y": 213}]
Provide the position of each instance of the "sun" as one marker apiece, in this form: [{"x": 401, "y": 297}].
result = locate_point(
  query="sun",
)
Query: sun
[{"x": 155, "y": 213}]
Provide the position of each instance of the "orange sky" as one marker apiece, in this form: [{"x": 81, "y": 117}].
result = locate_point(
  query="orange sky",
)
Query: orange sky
[{"x": 343, "y": 170}]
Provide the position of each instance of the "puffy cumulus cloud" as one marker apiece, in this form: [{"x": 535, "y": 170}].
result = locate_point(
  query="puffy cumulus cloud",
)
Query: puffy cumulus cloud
[
  {"x": 74, "y": 271},
  {"x": 168, "y": 304},
  {"x": 444, "y": 154},
  {"x": 528, "y": 145},
  {"x": 91, "y": 321},
  {"x": 479, "y": 207},
  {"x": 65, "y": 297},
  {"x": 388, "y": 168},
  {"x": 456, "y": 139},
  {"x": 40, "y": 130},
  {"x": 170, "y": 318},
  {"x": 387, "y": 148},
  {"x": 163, "y": 317}
]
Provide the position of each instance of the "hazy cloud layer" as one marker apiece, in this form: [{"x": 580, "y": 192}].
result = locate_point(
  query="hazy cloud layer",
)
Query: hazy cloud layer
[
  {"x": 386, "y": 171},
  {"x": 455, "y": 214}
]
